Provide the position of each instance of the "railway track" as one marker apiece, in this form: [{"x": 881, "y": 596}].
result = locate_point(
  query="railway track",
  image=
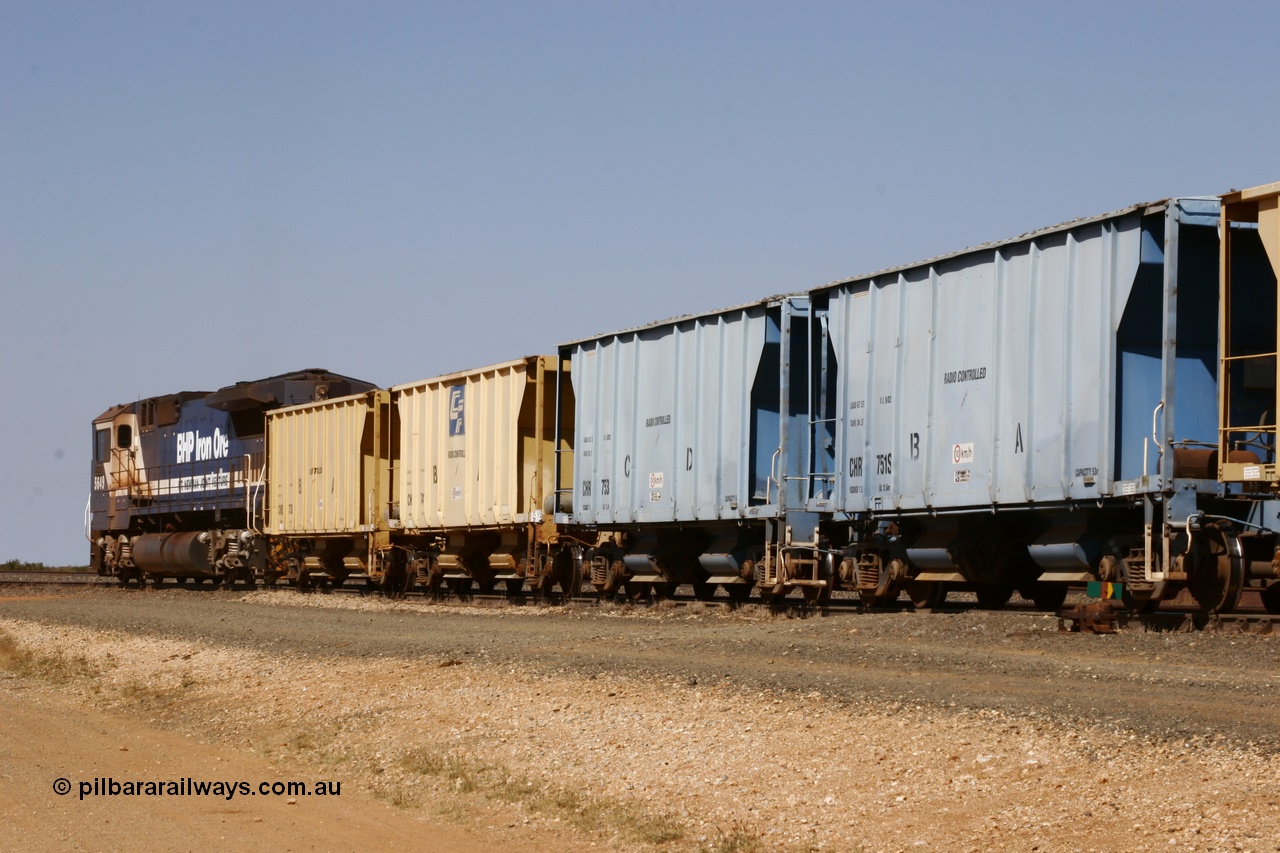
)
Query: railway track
[
  {"x": 53, "y": 578},
  {"x": 1096, "y": 617}
]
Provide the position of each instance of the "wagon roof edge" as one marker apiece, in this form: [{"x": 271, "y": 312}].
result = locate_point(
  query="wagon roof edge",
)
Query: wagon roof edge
[
  {"x": 1144, "y": 208},
  {"x": 684, "y": 318}
]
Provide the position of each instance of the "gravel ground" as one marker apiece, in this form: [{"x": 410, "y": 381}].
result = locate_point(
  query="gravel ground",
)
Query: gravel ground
[{"x": 703, "y": 728}]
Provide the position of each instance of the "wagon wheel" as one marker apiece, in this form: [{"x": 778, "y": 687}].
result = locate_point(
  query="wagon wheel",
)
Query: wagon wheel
[
  {"x": 816, "y": 596},
  {"x": 571, "y": 580},
  {"x": 433, "y": 580},
  {"x": 1215, "y": 570},
  {"x": 613, "y": 579},
  {"x": 1143, "y": 600},
  {"x": 396, "y": 580},
  {"x": 926, "y": 595},
  {"x": 1271, "y": 598},
  {"x": 1045, "y": 595},
  {"x": 994, "y": 596},
  {"x": 774, "y": 595},
  {"x": 873, "y": 598},
  {"x": 1141, "y": 597},
  {"x": 888, "y": 586}
]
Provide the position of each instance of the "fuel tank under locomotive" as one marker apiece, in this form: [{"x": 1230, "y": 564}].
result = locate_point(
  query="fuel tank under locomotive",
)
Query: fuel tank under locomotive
[{"x": 229, "y": 554}]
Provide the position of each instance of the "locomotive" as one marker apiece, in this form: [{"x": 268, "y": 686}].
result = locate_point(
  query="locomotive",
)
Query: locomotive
[{"x": 1094, "y": 401}]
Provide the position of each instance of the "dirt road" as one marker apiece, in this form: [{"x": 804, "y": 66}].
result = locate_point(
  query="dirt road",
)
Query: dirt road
[{"x": 678, "y": 728}]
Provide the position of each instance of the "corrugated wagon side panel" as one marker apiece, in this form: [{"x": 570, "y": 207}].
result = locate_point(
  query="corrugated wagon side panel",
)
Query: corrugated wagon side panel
[
  {"x": 316, "y": 467},
  {"x": 962, "y": 447},
  {"x": 663, "y": 420},
  {"x": 916, "y": 358},
  {"x": 990, "y": 376},
  {"x": 654, "y": 447},
  {"x": 461, "y": 448},
  {"x": 851, "y": 339},
  {"x": 1019, "y": 333}
]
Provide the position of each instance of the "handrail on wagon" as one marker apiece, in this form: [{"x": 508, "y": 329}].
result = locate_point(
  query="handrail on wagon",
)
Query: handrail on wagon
[
  {"x": 1249, "y": 356},
  {"x": 773, "y": 469}
]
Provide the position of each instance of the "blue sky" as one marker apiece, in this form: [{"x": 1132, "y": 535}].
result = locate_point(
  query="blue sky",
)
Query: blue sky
[{"x": 193, "y": 194}]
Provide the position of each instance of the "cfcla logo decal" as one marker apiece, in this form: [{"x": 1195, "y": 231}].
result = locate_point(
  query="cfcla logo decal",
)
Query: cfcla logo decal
[{"x": 456, "y": 401}]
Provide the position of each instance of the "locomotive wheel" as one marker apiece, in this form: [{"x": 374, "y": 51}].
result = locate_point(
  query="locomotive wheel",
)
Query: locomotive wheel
[
  {"x": 1216, "y": 570},
  {"x": 1044, "y": 595},
  {"x": 926, "y": 595},
  {"x": 1271, "y": 598}
]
